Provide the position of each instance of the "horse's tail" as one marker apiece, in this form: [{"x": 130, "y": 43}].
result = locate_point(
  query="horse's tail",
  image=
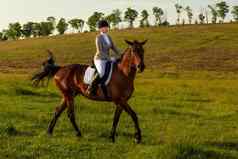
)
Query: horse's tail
[{"x": 48, "y": 71}]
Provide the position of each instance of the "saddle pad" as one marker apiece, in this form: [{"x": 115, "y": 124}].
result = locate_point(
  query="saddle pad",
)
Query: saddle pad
[{"x": 89, "y": 74}]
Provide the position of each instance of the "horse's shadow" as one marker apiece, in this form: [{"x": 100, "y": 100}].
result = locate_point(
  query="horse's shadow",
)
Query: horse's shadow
[
  {"x": 199, "y": 151},
  {"x": 199, "y": 100},
  {"x": 225, "y": 145},
  {"x": 106, "y": 134}
]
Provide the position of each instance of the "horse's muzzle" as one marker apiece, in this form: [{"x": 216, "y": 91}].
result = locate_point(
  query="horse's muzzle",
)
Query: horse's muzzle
[{"x": 141, "y": 67}]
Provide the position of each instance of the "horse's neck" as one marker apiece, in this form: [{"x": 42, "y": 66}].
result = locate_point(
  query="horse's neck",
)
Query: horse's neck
[
  {"x": 126, "y": 65},
  {"x": 132, "y": 74}
]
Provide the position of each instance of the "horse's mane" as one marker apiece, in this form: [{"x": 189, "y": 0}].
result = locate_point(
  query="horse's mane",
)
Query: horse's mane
[{"x": 122, "y": 55}]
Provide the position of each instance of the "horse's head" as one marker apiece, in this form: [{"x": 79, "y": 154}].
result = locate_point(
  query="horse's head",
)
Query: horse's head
[{"x": 137, "y": 53}]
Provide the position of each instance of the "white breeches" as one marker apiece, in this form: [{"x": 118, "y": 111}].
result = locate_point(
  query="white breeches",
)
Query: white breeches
[{"x": 101, "y": 66}]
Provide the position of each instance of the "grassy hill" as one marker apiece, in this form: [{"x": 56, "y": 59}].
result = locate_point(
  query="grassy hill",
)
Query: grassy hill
[
  {"x": 196, "y": 48},
  {"x": 186, "y": 100}
]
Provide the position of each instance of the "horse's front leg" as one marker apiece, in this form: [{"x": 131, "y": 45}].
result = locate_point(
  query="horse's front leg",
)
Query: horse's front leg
[
  {"x": 133, "y": 115},
  {"x": 115, "y": 121}
]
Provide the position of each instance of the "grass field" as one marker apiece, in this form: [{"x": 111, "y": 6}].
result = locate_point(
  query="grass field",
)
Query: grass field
[{"x": 186, "y": 100}]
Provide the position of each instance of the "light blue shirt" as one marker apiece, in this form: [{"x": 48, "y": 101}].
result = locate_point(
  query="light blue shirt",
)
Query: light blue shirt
[{"x": 106, "y": 38}]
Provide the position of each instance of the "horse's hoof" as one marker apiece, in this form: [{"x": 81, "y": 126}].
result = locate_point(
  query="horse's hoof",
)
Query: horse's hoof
[
  {"x": 79, "y": 134},
  {"x": 112, "y": 138},
  {"x": 137, "y": 138},
  {"x": 50, "y": 134},
  {"x": 137, "y": 141}
]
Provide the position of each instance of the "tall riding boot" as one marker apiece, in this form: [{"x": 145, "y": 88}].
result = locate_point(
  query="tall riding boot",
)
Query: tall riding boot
[{"x": 94, "y": 86}]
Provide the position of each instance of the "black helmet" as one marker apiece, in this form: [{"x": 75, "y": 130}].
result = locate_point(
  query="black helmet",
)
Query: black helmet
[{"x": 103, "y": 23}]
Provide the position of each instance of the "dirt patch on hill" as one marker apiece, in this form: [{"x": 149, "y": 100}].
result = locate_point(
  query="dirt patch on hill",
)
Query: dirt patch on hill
[{"x": 202, "y": 59}]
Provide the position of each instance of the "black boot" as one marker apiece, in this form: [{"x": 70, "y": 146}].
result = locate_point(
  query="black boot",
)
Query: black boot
[{"x": 92, "y": 89}]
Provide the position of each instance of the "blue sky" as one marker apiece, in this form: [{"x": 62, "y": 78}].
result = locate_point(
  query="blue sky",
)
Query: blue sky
[{"x": 38, "y": 10}]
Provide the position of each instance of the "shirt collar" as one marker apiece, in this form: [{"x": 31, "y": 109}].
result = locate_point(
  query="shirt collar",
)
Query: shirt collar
[{"x": 103, "y": 33}]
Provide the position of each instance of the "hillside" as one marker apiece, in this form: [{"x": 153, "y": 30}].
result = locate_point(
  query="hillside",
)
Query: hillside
[
  {"x": 186, "y": 100},
  {"x": 189, "y": 48}
]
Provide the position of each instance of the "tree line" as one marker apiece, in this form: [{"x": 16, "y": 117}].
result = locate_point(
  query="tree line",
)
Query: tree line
[{"x": 218, "y": 11}]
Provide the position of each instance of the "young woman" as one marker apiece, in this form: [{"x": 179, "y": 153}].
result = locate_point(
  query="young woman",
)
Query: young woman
[{"x": 104, "y": 44}]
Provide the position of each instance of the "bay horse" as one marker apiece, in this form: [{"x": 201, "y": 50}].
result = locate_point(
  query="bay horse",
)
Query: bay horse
[{"x": 69, "y": 79}]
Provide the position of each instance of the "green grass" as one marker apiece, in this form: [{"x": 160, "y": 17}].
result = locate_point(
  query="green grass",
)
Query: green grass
[{"x": 186, "y": 100}]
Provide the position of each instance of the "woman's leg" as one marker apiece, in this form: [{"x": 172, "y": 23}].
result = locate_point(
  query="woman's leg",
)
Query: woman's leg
[{"x": 100, "y": 66}]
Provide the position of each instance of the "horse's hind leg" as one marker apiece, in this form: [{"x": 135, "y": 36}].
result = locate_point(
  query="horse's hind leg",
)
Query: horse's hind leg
[
  {"x": 71, "y": 115},
  {"x": 57, "y": 114},
  {"x": 115, "y": 121}
]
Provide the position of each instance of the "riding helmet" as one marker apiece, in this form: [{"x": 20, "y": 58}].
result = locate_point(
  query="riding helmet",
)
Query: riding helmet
[{"x": 103, "y": 23}]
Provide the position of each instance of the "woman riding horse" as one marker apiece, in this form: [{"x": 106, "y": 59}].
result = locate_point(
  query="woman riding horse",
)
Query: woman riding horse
[
  {"x": 70, "y": 81},
  {"x": 103, "y": 45}
]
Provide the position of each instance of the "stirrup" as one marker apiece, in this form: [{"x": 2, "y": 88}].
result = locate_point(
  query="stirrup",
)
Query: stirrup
[{"x": 91, "y": 91}]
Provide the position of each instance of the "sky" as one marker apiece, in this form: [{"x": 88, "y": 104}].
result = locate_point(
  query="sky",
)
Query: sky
[{"x": 38, "y": 10}]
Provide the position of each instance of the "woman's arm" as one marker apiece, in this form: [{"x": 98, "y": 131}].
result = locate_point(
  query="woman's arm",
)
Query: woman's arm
[
  {"x": 98, "y": 45},
  {"x": 114, "y": 48}
]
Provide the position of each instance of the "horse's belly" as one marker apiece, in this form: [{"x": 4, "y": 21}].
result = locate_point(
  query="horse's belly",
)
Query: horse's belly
[{"x": 122, "y": 92}]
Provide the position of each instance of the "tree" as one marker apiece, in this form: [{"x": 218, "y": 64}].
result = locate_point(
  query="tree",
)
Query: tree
[
  {"x": 77, "y": 24},
  {"x": 92, "y": 20},
  {"x": 196, "y": 22},
  {"x": 62, "y": 26},
  {"x": 109, "y": 19},
  {"x": 52, "y": 20},
  {"x": 206, "y": 16},
  {"x": 235, "y": 13},
  {"x": 189, "y": 14},
  {"x": 179, "y": 11},
  {"x": 201, "y": 18},
  {"x": 183, "y": 22},
  {"x": 158, "y": 13},
  {"x": 144, "y": 22},
  {"x": 1, "y": 36},
  {"x": 14, "y": 31},
  {"x": 46, "y": 28},
  {"x": 114, "y": 18},
  {"x": 165, "y": 23},
  {"x": 130, "y": 16},
  {"x": 214, "y": 14},
  {"x": 17, "y": 28},
  {"x": 27, "y": 29},
  {"x": 36, "y": 29},
  {"x": 4, "y": 35},
  {"x": 223, "y": 9},
  {"x": 81, "y": 23},
  {"x": 8, "y": 34}
]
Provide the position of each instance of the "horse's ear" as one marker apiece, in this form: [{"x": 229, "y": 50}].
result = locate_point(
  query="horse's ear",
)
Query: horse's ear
[
  {"x": 144, "y": 42},
  {"x": 129, "y": 42}
]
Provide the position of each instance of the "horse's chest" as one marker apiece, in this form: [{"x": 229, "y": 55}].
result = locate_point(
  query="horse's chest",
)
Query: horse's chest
[{"x": 128, "y": 91}]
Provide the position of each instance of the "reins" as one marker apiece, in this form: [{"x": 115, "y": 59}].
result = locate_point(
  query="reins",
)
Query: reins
[{"x": 125, "y": 63}]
